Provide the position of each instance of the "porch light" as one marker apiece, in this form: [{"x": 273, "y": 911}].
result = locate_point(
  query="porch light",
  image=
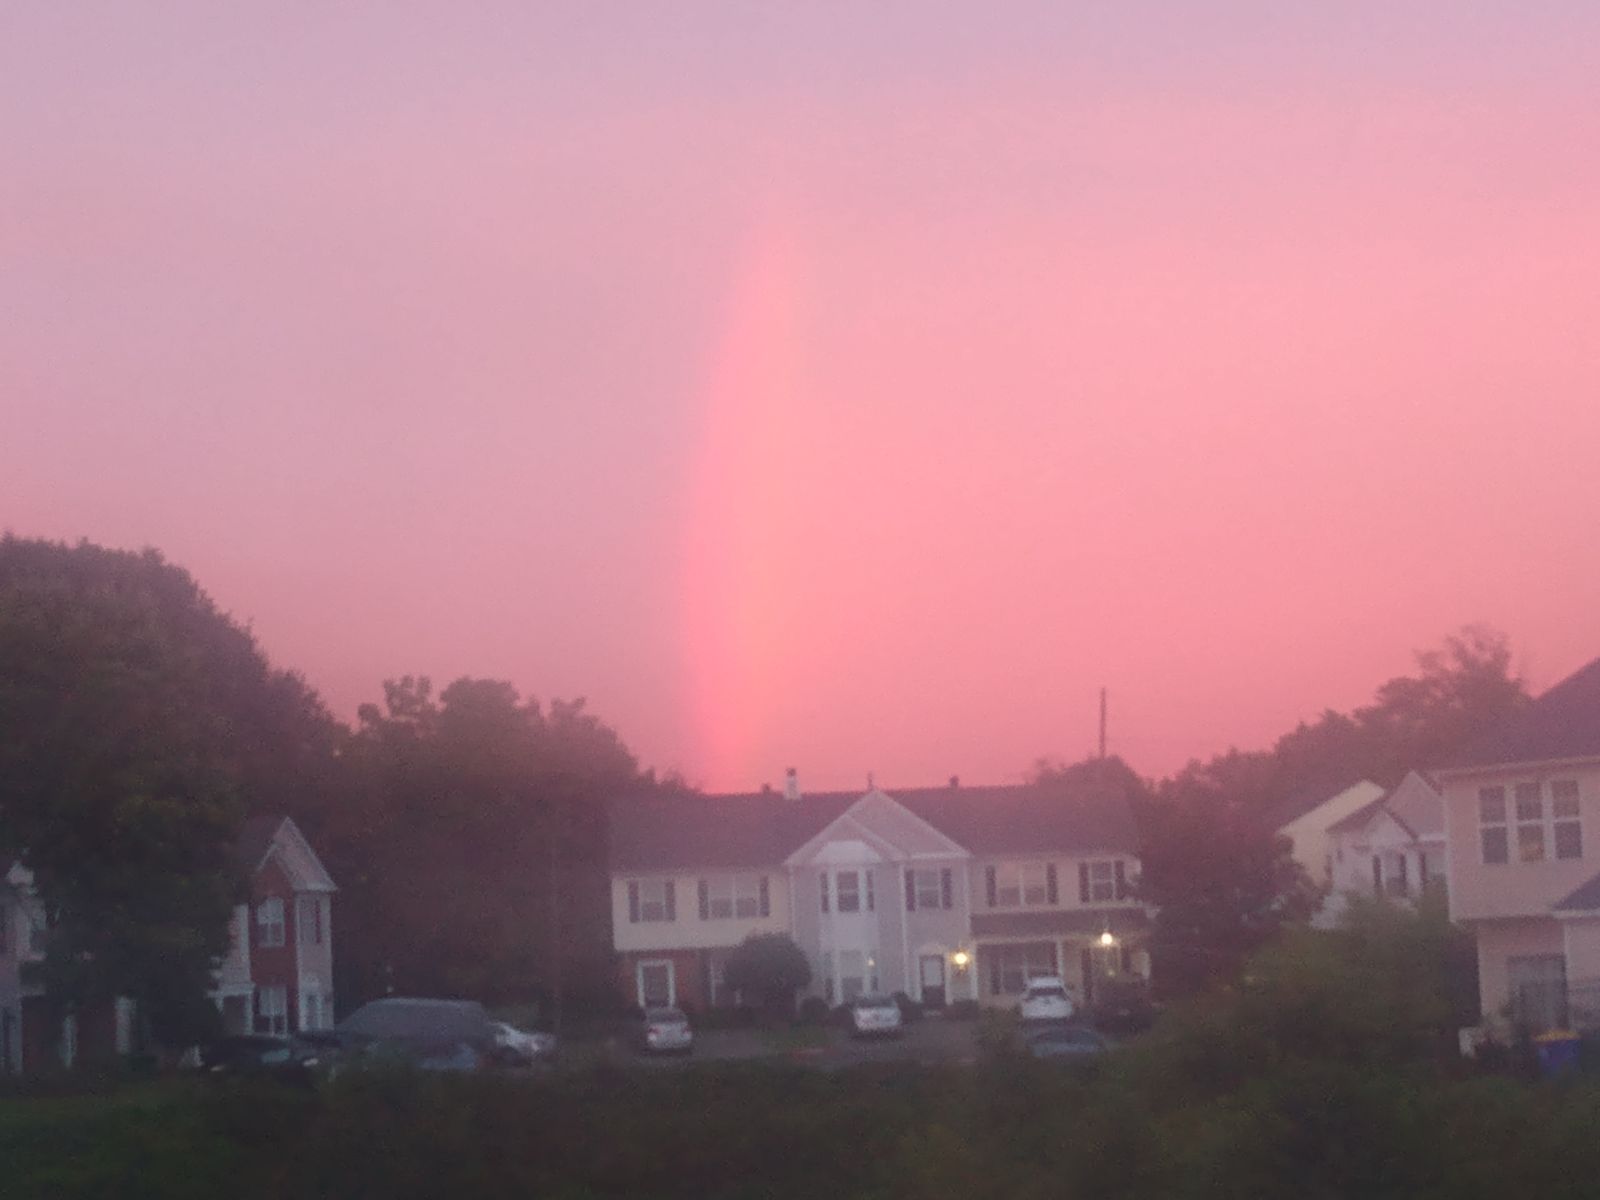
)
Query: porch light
[
  {"x": 1108, "y": 939},
  {"x": 961, "y": 958}
]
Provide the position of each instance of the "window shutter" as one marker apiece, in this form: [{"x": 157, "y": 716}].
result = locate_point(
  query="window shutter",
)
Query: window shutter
[
  {"x": 911, "y": 890},
  {"x": 947, "y": 888},
  {"x": 822, "y": 881},
  {"x": 705, "y": 900},
  {"x": 1052, "y": 893},
  {"x": 994, "y": 970},
  {"x": 633, "y": 902},
  {"x": 1121, "y": 870},
  {"x": 672, "y": 900},
  {"x": 872, "y": 902},
  {"x": 1377, "y": 875},
  {"x": 1404, "y": 883},
  {"x": 988, "y": 885},
  {"x": 1127, "y": 959},
  {"x": 766, "y": 898},
  {"x": 1083, "y": 882},
  {"x": 1422, "y": 869}
]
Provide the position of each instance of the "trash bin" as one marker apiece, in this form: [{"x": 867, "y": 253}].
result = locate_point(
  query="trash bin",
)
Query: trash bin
[{"x": 1558, "y": 1052}]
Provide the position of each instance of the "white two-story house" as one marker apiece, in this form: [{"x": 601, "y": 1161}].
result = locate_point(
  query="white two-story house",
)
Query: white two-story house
[
  {"x": 1522, "y": 837},
  {"x": 1391, "y": 847},
  {"x": 953, "y": 893}
]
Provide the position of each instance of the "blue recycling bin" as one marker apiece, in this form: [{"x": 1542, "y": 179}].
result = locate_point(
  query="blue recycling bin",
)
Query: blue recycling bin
[{"x": 1558, "y": 1052}]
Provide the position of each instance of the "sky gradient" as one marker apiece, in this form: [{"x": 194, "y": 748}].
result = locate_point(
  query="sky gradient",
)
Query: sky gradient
[{"x": 856, "y": 391}]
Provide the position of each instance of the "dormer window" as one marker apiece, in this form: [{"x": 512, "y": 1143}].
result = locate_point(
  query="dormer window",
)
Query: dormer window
[{"x": 270, "y": 923}]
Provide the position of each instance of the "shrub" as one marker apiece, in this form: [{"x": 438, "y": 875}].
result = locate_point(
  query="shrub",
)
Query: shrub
[
  {"x": 769, "y": 965},
  {"x": 813, "y": 1011},
  {"x": 910, "y": 1010},
  {"x": 961, "y": 1010}
]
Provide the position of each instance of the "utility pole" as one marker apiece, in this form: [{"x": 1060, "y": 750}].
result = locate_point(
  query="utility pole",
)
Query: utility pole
[{"x": 1102, "y": 722}]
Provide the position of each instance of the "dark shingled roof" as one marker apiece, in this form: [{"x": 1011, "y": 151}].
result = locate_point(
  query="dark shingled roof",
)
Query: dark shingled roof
[
  {"x": 1071, "y": 920},
  {"x": 658, "y": 831},
  {"x": 1585, "y": 899},
  {"x": 1562, "y": 723},
  {"x": 1307, "y": 796}
]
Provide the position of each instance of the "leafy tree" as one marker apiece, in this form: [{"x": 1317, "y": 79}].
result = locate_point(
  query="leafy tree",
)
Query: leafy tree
[
  {"x": 137, "y": 724},
  {"x": 472, "y": 855},
  {"x": 768, "y": 965}
]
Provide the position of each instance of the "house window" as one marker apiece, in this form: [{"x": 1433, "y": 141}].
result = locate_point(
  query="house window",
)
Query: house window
[
  {"x": 1538, "y": 987},
  {"x": 1010, "y": 967},
  {"x": 847, "y": 891},
  {"x": 732, "y": 896},
  {"x": 269, "y": 923},
  {"x": 1530, "y": 822},
  {"x": 1102, "y": 881},
  {"x": 1493, "y": 838},
  {"x": 308, "y": 921},
  {"x": 1015, "y": 885},
  {"x": 272, "y": 1011},
  {"x": 1564, "y": 810},
  {"x": 651, "y": 900},
  {"x": 928, "y": 887},
  {"x": 1395, "y": 881},
  {"x": 852, "y": 974},
  {"x": 311, "y": 1011}
]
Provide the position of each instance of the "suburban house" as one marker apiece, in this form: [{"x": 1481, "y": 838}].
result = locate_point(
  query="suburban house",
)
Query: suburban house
[
  {"x": 278, "y": 974},
  {"x": 1305, "y": 817},
  {"x": 945, "y": 894},
  {"x": 1392, "y": 846},
  {"x": 1521, "y": 815}
]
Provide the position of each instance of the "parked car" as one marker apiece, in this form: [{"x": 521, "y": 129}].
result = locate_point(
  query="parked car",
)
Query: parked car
[
  {"x": 289, "y": 1058},
  {"x": 521, "y": 1048},
  {"x": 1076, "y": 1042},
  {"x": 1046, "y": 999},
  {"x": 875, "y": 1016},
  {"x": 663, "y": 1031},
  {"x": 429, "y": 1035}
]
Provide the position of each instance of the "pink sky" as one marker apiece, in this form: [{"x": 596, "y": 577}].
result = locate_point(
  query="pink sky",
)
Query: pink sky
[{"x": 857, "y": 391}]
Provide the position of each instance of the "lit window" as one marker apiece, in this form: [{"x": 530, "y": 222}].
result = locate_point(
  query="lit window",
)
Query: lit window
[{"x": 1494, "y": 840}]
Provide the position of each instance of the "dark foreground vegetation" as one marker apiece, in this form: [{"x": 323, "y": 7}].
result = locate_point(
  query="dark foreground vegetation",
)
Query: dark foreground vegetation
[{"x": 1327, "y": 1071}]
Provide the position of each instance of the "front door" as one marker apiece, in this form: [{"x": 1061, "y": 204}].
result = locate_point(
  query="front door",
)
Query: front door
[
  {"x": 933, "y": 980},
  {"x": 656, "y": 984}
]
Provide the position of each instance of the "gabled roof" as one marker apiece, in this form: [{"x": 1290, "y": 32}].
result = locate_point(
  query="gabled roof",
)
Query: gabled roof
[
  {"x": 1586, "y": 898},
  {"x": 1312, "y": 796},
  {"x": 1564, "y": 723},
  {"x": 662, "y": 831},
  {"x": 1358, "y": 819},
  {"x": 1415, "y": 804},
  {"x": 261, "y": 836}
]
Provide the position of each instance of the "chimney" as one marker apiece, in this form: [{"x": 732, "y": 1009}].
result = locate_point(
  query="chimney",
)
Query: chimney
[
  {"x": 955, "y": 781},
  {"x": 791, "y": 785}
]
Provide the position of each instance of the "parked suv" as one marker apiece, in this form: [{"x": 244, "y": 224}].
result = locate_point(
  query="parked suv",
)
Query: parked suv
[
  {"x": 875, "y": 1016},
  {"x": 1046, "y": 999}
]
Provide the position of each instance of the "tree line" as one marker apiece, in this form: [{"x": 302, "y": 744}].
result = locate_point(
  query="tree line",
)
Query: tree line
[{"x": 140, "y": 725}]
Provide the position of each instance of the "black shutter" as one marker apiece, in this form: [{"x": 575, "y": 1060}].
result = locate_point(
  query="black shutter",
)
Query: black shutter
[
  {"x": 705, "y": 900},
  {"x": 1127, "y": 959},
  {"x": 988, "y": 886},
  {"x": 994, "y": 973},
  {"x": 822, "y": 881},
  {"x": 766, "y": 898},
  {"x": 911, "y": 890},
  {"x": 1052, "y": 893},
  {"x": 946, "y": 889},
  {"x": 1377, "y": 875},
  {"x": 1122, "y": 879},
  {"x": 1422, "y": 870},
  {"x": 633, "y": 902},
  {"x": 872, "y": 900},
  {"x": 672, "y": 900},
  {"x": 1404, "y": 883},
  {"x": 1086, "y": 965},
  {"x": 1083, "y": 882}
]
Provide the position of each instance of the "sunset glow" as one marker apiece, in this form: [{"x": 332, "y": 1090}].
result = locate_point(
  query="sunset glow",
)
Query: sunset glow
[{"x": 854, "y": 390}]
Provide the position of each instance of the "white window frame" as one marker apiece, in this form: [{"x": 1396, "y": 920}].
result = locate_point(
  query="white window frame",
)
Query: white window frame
[
  {"x": 853, "y": 893},
  {"x": 658, "y": 903},
  {"x": 672, "y": 981},
  {"x": 928, "y": 885},
  {"x": 730, "y": 897},
  {"x": 1102, "y": 880},
  {"x": 1566, "y": 812},
  {"x": 272, "y": 1011},
  {"x": 1528, "y": 806},
  {"x": 1489, "y": 800},
  {"x": 1022, "y": 885},
  {"x": 271, "y": 926},
  {"x": 308, "y": 920}
]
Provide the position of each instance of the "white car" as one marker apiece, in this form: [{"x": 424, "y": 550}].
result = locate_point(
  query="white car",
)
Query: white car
[
  {"x": 875, "y": 1016},
  {"x": 1046, "y": 999},
  {"x": 664, "y": 1031}
]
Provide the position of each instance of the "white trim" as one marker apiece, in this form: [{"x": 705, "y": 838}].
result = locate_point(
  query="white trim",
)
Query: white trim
[
  {"x": 672, "y": 979},
  {"x": 809, "y": 848}
]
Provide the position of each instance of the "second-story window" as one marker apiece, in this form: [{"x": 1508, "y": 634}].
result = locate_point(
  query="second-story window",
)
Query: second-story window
[
  {"x": 1015, "y": 885},
  {"x": 1493, "y": 837},
  {"x": 1101, "y": 880},
  {"x": 1530, "y": 822},
  {"x": 269, "y": 923},
  {"x": 742, "y": 896},
  {"x": 847, "y": 891},
  {"x": 1564, "y": 811},
  {"x": 308, "y": 920}
]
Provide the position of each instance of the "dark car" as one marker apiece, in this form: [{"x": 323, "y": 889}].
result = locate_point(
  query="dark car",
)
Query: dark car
[
  {"x": 289, "y": 1058},
  {"x": 1070, "y": 1042},
  {"x": 431, "y": 1035}
]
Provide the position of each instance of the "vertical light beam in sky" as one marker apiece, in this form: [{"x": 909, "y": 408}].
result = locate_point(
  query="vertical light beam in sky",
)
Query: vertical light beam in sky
[{"x": 744, "y": 615}]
